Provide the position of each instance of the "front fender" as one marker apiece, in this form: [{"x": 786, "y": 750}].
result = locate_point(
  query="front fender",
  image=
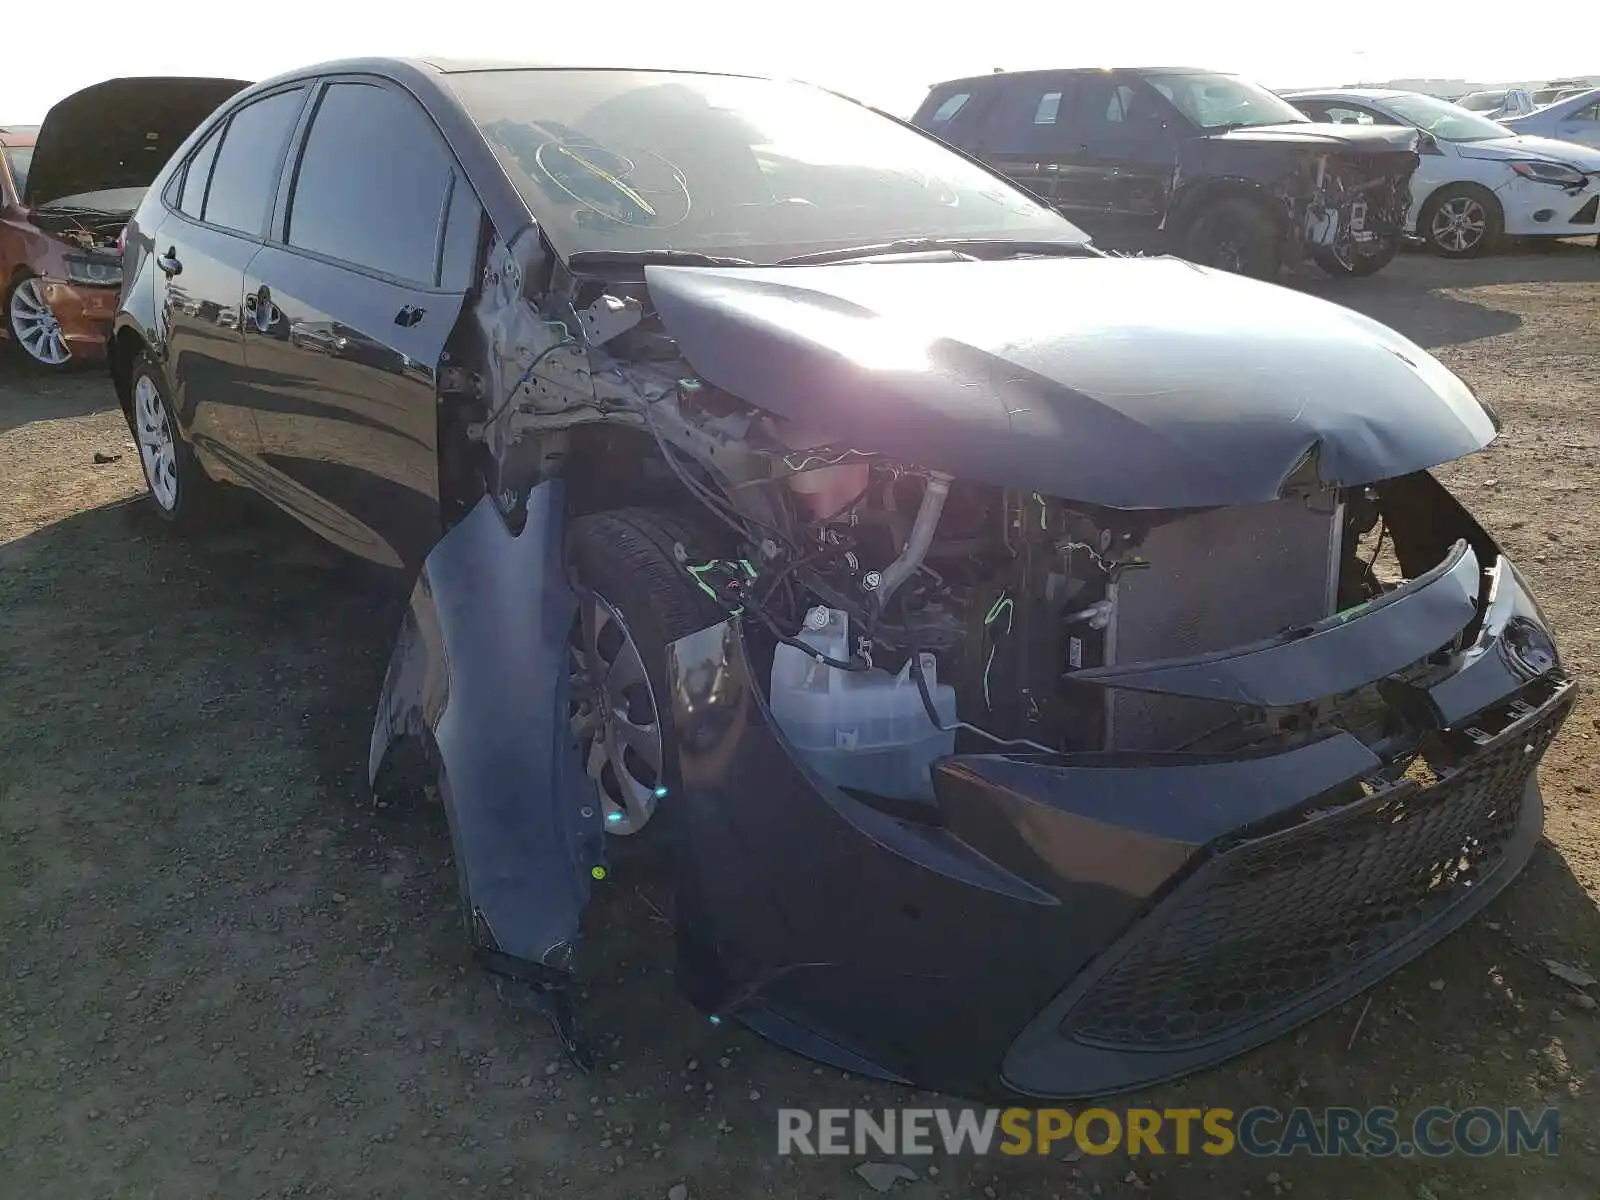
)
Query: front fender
[{"x": 479, "y": 677}]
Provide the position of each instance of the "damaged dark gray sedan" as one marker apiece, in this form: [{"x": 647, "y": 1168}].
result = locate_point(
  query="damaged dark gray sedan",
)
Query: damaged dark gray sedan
[{"x": 1048, "y": 673}]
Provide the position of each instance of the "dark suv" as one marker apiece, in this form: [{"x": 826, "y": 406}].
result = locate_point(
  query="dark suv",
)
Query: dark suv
[{"x": 1206, "y": 165}]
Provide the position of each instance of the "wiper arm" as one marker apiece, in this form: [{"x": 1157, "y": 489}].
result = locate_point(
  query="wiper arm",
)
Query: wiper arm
[
  {"x": 977, "y": 247},
  {"x": 599, "y": 260}
]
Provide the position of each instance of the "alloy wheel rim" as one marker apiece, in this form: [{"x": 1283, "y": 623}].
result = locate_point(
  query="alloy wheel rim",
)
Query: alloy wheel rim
[
  {"x": 615, "y": 718},
  {"x": 34, "y": 324},
  {"x": 1459, "y": 224},
  {"x": 157, "y": 449}
]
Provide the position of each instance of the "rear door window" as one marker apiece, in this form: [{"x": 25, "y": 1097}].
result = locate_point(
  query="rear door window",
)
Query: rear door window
[
  {"x": 192, "y": 196},
  {"x": 246, "y": 169},
  {"x": 373, "y": 183}
]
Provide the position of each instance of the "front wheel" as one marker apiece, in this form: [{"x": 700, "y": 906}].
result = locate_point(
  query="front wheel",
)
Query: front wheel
[
  {"x": 1235, "y": 234},
  {"x": 634, "y": 600},
  {"x": 1349, "y": 263},
  {"x": 33, "y": 326},
  {"x": 1461, "y": 221}
]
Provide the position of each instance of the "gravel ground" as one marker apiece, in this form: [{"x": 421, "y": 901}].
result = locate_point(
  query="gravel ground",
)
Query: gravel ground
[{"x": 227, "y": 973}]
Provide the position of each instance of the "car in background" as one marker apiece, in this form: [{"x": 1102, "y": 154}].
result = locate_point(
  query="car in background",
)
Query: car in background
[
  {"x": 1478, "y": 180},
  {"x": 67, "y": 187},
  {"x": 1574, "y": 119},
  {"x": 1206, "y": 165},
  {"x": 1555, "y": 92},
  {"x": 1497, "y": 103}
]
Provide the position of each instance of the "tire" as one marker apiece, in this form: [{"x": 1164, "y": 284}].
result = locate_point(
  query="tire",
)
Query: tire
[
  {"x": 1235, "y": 234},
  {"x": 1360, "y": 265},
  {"x": 631, "y": 587},
  {"x": 181, "y": 492},
  {"x": 1460, "y": 200},
  {"x": 32, "y": 326}
]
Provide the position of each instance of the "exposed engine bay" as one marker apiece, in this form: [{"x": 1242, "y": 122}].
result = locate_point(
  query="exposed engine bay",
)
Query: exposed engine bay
[
  {"x": 87, "y": 229},
  {"x": 904, "y": 614},
  {"x": 1356, "y": 202}
]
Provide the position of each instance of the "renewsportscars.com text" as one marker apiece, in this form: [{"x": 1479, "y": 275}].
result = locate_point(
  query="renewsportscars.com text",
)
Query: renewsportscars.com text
[{"x": 1261, "y": 1132}]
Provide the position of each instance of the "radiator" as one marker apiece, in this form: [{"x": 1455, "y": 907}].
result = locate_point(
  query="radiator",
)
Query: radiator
[{"x": 1216, "y": 579}]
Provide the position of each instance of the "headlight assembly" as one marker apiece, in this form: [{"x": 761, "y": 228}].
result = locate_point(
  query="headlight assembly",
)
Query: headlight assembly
[
  {"x": 1558, "y": 174},
  {"x": 94, "y": 270}
]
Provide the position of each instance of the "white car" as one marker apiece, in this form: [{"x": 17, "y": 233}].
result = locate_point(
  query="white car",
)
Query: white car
[
  {"x": 1499, "y": 104},
  {"x": 1575, "y": 119},
  {"x": 1478, "y": 180}
]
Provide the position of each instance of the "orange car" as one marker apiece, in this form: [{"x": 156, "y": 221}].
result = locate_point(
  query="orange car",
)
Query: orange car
[{"x": 67, "y": 187}]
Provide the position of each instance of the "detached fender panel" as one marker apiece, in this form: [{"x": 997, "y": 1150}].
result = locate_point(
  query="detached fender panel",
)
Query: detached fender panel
[{"x": 480, "y": 675}]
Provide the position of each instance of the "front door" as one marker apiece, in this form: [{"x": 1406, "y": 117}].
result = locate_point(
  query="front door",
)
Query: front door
[
  {"x": 347, "y": 311},
  {"x": 1123, "y": 155},
  {"x": 217, "y": 210}
]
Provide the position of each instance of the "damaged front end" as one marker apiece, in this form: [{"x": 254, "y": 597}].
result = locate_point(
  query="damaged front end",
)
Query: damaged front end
[
  {"x": 1120, "y": 670},
  {"x": 1344, "y": 198}
]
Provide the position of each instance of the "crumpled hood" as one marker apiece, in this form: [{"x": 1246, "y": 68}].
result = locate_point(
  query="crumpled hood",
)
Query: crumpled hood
[
  {"x": 118, "y": 134},
  {"x": 1508, "y": 149},
  {"x": 1132, "y": 383},
  {"x": 1366, "y": 138}
]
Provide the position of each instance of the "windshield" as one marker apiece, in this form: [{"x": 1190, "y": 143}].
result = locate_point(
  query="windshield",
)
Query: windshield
[
  {"x": 1446, "y": 121},
  {"x": 752, "y": 168},
  {"x": 1483, "y": 101},
  {"x": 18, "y": 158},
  {"x": 1217, "y": 101}
]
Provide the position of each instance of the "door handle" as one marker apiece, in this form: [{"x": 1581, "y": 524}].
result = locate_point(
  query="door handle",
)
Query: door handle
[
  {"x": 263, "y": 313},
  {"x": 409, "y": 316},
  {"x": 169, "y": 263}
]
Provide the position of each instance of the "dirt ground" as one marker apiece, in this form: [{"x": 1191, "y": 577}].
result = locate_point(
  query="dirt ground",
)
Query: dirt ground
[{"x": 226, "y": 973}]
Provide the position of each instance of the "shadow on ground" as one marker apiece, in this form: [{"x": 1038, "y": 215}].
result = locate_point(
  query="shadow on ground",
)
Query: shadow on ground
[{"x": 35, "y": 394}]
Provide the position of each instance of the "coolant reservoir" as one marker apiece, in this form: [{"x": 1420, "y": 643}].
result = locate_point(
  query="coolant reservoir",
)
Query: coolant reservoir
[{"x": 861, "y": 729}]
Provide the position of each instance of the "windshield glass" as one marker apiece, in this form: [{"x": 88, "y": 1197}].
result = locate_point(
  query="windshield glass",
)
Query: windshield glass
[
  {"x": 753, "y": 168},
  {"x": 18, "y": 158},
  {"x": 1483, "y": 101},
  {"x": 1449, "y": 122},
  {"x": 1215, "y": 101}
]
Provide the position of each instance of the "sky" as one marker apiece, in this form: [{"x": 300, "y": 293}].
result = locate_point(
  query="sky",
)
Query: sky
[{"x": 885, "y": 54}]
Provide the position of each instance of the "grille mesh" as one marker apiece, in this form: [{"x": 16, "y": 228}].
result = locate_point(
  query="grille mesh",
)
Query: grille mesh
[
  {"x": 1216, "y": 579},
  {"x": 1261, "y": 926}
]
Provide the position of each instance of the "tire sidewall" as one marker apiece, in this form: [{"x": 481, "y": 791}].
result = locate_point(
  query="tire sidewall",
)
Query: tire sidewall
[
  {"x": 1363, "y": 265},
  {"x": 1254, "y": 228}
]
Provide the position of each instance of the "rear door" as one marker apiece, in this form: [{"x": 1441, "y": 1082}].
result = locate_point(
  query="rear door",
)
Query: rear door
[
  {"x": 347, "y": 311},
  {"x": 217, "y": 209},
  {"x": 1025, "y": 134},
  {"x": 1122, "y": 155}
]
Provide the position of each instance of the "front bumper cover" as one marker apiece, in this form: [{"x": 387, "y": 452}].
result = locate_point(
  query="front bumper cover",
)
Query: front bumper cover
[
  {"x": 1074, "y": 925},
  {"x": 85, "y": 312}
]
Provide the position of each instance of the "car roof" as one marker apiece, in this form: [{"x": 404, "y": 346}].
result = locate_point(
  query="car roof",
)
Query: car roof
[
  {"x": 1348, "y": 93},
  {"x": 438, "y": 65},
  {"x": 1041, "y": 72}
]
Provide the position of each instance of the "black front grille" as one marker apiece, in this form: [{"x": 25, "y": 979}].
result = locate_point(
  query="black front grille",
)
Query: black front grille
[{"x": 1261, "y": 927}]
